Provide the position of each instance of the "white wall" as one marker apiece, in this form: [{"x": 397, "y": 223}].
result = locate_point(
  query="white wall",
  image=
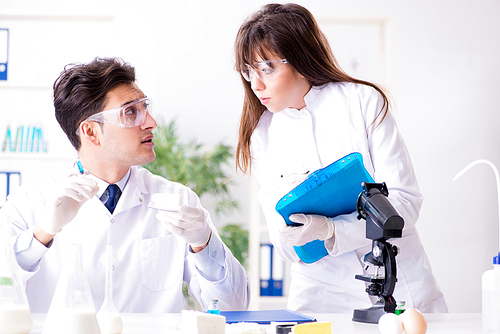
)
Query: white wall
[{"x": 443, "y": 76}]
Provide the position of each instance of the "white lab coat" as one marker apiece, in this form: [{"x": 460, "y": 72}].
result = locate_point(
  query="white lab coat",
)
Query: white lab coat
[
  {"x": 336, "y": 121},
  {"x": 150, "y": 263}
]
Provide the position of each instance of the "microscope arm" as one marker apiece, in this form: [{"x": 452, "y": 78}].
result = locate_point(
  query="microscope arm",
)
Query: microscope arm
[{"x": 389, "y": 257}]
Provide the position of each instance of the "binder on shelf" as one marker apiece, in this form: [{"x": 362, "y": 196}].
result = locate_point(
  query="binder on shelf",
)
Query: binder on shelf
[
  {"x": 8, "y": 182},
  {"x": 277, "y": 273},
  {"x": 4, "y": 53},
  {"x": 19, "y": 139},
  {"x": 8, "y": 145},
  {"x": 265, "y": 270},
  {"x": 271, "y": 272},
  {"x": 41, "y": 145}
]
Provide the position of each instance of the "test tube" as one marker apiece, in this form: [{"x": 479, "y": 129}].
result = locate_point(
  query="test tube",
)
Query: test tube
[
  {"x": 214, "y": 307},
  {"x": 400, "y": 307},
  {"x": 79, "y": 164}
]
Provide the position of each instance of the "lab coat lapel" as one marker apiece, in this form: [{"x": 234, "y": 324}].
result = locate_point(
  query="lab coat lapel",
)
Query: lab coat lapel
[{"x": 133, "y": 194}]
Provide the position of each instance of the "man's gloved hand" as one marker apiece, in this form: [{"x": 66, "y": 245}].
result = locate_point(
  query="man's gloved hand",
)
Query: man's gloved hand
[
  {"x": 315, "y": 227},
  {"x": 189, "y": 223},
  {"x": 65, "y": 199}
]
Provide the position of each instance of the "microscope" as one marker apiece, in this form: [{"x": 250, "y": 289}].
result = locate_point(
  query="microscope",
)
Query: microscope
[{"x": 382, "y": 223}]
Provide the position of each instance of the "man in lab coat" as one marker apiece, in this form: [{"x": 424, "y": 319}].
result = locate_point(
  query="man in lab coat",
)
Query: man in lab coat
[{"x": 107, "y": 119}]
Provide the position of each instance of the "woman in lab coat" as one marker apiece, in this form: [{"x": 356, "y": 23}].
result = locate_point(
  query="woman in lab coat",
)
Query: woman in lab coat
[{"x": 302, "y": 112}]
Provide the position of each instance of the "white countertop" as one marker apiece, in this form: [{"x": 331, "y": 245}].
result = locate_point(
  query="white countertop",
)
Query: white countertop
[{"x": 437, "y": 323}]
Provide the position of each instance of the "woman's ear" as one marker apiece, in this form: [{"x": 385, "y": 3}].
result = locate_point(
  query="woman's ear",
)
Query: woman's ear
[{"x": 89, "y": 132}]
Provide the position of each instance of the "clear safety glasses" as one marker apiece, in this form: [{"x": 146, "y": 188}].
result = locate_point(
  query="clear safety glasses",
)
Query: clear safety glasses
[
  {"x": 264, "y": 70},
  {"x": 127, "y": 116}
]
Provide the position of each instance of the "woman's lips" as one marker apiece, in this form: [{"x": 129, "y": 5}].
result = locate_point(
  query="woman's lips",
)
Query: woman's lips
[{"x": 265, "y": 100}]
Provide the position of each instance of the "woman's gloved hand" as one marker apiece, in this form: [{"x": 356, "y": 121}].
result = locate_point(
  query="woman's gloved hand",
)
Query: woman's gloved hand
[
  {"x": 189, "y": 223},
  {"x": 65, "y": 199},
  {"x": 314, "y": 227}
]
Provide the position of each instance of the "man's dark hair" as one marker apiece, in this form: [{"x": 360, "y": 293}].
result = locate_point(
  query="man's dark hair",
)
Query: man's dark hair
[{"x": 81, "y": 91}]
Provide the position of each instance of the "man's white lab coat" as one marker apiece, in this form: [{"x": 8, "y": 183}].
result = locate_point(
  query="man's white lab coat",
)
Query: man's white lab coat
[{"x": 149, "y": 262}]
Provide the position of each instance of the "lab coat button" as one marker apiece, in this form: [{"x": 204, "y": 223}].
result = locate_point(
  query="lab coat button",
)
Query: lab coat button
[
  {"x": 112, "y": 220},
  {"x": 214, "y": 254}
]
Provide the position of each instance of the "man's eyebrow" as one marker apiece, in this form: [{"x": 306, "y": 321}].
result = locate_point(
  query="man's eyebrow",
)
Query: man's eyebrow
[
  {"x": 129, "y": 102},
  {"x": 126, "y": 103}
]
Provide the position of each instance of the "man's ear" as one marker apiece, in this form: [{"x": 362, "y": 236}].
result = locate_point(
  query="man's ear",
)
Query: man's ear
[{"x": 89, "y": 132}]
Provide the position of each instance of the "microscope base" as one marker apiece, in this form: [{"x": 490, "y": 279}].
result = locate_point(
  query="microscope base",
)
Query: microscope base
[{"x": 370, "y": 315}]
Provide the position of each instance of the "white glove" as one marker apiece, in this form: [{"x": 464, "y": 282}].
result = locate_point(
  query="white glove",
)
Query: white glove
[
  {"x": 315, "y": 227},
  {"x": 65, "y": 199},
  {"x": 189, "y": 223}
]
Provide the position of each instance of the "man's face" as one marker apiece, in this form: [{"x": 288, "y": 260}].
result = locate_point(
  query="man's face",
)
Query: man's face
[{"x": 127, "y": 147}]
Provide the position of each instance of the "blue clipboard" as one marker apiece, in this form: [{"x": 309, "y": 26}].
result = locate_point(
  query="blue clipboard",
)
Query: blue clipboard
[
  {"x": 265, "y": 316},
  {"x": 329, "y": 191}
]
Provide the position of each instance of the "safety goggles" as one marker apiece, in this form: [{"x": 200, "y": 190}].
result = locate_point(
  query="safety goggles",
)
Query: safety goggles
[
  {"x": 264, "y": 70},
  {"x": 127, "y": 116}
]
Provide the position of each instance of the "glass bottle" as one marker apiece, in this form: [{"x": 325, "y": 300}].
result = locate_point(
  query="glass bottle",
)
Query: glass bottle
[
  {"x": 491, "y": 298},
  {"x": 214, "y": 307},
  {"x": 72, "y": 309},
  {"x": 108, "y": 317},
  {"x": 15, "y": 315},
  {"x": 400, "y": 307}
]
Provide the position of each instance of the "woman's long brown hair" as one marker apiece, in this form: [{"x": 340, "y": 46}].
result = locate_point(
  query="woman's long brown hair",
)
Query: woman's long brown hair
[{"x": 286, "y": 31}]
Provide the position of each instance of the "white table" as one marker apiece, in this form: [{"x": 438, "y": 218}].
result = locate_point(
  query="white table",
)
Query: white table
[{"x": 444, "y": 323}]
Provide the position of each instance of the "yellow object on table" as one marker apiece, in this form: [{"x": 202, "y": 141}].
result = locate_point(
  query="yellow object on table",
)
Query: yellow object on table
[{"x": 313, "y": 328}]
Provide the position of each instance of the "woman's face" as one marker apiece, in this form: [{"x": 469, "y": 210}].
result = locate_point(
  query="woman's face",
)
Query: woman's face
[{"x": 284, "y": 90}]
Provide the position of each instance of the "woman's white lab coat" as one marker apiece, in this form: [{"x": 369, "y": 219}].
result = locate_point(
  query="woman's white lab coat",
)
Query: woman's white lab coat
[
  {"x": 338, "y": 120},
  {"x": 149, "y": 262}
]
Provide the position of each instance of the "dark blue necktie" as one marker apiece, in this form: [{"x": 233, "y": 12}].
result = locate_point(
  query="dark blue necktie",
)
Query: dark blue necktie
[{"x": 114, "y": 194}]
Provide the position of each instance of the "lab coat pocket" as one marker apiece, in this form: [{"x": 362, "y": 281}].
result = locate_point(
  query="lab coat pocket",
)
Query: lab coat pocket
[{"x": 160, "y": 262}]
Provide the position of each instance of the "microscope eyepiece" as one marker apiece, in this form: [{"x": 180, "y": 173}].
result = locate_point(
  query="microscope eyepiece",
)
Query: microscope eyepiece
[{"x": 382, "y": 220}]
